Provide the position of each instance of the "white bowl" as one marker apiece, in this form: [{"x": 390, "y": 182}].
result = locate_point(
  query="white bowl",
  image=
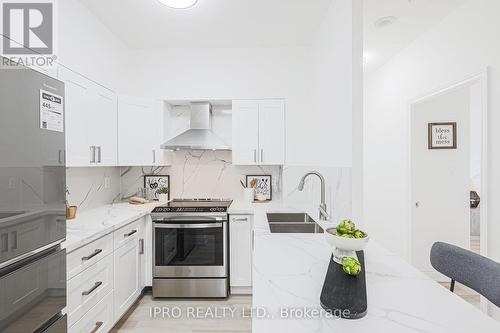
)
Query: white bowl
[{"x": 345, "y": 247}]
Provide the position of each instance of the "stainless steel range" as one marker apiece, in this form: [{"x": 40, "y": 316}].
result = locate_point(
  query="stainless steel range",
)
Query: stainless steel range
[{"x": 190, "y": 244}]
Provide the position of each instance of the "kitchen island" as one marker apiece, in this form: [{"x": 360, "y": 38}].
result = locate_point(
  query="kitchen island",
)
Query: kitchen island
[{"x": 288, "y": 275}]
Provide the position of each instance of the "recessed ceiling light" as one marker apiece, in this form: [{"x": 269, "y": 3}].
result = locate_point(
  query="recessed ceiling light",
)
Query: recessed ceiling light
[
  {"x": 385, "y": 21},
  {"x": 179, "y": 4}
]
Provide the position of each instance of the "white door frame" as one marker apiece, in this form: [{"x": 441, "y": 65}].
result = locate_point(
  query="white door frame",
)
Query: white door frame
[{"x": 482, "y": 79}]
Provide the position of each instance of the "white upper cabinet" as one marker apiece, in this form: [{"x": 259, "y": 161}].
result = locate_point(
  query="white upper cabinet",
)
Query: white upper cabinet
[
  {"x": 140, "y": 128},
  {"x": 104, "y": 126},
  {"x": 272, "y": 132},
  {"x": 91, "y": 118},
  {"x": 245, "y": 132},
  {"x": 77, "y": 121},
  {"x": 259, "y": 132}
]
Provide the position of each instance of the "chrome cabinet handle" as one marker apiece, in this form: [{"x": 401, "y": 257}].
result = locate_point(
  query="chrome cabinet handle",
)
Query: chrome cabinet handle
[
  {"x": 255, "y": 155},
  {"x": 59, "y": 156},
  {"x": 154, "y": 156},
  {"x": 130, "y": 233},
  {"x": 96, "y": 252},
  {"x": 253, "y": 240},
  {"x": 92, "y": 154},
  {"x": 262, "y": 156},
  {"x": 241, "y": 220},
  {"x": 97, "y": 326},
  {"x": 99, "y": 155},
  {"x": 141, "y": 246},
  {"x": 91, "y": 290}
]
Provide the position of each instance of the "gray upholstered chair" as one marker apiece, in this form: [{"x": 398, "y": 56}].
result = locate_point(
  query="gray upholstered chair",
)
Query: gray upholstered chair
[{"x": 468, "y": 268}]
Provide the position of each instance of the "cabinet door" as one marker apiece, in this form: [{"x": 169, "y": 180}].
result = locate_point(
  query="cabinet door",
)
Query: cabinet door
[
  {"x": 241, "y": 250},
  {"x": 126, "y": 277},
  {"x": 245, "y": 132},
  {"x": 272, "y": 132},
  {"x": 139, "y": 131},
  {"x": 103, "y": 111},
  {"x": 78, "y": 126}
]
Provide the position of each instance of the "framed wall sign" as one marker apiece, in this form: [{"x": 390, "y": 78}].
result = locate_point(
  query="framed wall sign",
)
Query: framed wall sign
[
  {"x": 154, "y": 183},
  {"x": 263, "y": 187},
  {"x": 442, "y": 135}
]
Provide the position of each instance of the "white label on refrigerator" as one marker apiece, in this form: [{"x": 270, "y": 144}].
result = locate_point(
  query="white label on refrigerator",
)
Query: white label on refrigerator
[{"x": 51, "y": 111}]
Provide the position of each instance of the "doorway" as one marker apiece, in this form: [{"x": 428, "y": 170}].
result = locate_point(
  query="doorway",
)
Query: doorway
[{"x": 448, "y": 170}]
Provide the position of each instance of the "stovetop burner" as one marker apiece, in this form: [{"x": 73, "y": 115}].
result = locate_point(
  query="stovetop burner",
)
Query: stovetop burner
[{"x": 194, "y": 206}]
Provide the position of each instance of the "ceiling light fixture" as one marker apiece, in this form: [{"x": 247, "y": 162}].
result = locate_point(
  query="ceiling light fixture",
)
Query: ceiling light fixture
[
  {"x": 179, "y": 4},
  {"x": 385, "y": 21}
]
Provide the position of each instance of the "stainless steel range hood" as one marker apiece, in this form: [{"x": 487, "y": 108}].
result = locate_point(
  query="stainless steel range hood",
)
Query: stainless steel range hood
[{"x": 200, "y": 135}]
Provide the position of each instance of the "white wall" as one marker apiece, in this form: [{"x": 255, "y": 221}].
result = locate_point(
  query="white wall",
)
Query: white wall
[
  {"x": 237, "y": 73},
  {"x": 461, "y": 45},
  {"x": 337, "y": 54},
  {"x": 315, "y": 80},
  {"x": 89, "y": 48}
]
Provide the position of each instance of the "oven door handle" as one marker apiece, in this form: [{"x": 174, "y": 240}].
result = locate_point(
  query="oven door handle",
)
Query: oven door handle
[{"x": 189, "y": 226}]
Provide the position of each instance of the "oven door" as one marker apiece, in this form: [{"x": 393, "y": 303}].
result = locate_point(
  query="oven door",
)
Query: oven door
[{"x": 195, "y": 247}]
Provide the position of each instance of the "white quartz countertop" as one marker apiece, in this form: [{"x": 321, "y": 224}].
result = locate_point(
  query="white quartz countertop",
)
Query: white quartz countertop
[
  {"x": 92, "y": 224},
  {"x": 289, "y": 271}
]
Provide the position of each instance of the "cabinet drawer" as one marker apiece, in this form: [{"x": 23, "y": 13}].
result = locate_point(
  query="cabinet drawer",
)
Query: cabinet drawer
[
  {"x": 87, "y": 288},
  {"x": 127, "y": 233},
  {"x": 89, "y": 254},
  {"x": 98, "y": 320}
]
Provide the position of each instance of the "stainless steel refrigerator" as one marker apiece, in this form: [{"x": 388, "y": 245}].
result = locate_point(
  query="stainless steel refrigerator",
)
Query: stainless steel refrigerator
[{"x": 32, "y": 202}]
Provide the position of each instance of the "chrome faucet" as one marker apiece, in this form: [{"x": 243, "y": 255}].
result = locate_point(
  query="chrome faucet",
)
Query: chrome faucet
[{"x": 323, "y": 214}]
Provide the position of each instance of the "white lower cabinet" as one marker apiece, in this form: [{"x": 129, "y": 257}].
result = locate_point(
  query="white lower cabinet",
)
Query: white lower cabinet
[
  {"x": 126, "y": 263},
  {"x": 241, "y": 250},
  {"x": 98, "y": 320},
  {"x": 86, "y": 289},
  {"x": 111, "y": 279}
]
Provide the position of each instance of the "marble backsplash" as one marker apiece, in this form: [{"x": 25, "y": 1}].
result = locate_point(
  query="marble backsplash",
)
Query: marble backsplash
[
  {"x": 200, "y": 174},
  {"x": 87, "y": 186}
]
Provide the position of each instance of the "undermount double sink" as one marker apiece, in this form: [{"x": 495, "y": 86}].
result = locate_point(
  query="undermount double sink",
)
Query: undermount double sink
[{"x": 293, "y": 223}]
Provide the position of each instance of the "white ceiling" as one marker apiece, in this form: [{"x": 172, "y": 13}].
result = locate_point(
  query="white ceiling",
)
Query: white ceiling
[
  {"x": 144, "y": 24},
  {"x": 414, "y": 17}
]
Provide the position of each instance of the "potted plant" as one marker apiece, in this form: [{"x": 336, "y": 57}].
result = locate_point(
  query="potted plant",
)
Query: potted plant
[{"x": 163, "y": 194}]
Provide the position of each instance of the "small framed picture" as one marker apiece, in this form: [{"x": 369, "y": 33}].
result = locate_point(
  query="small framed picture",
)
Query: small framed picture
[
  {"x": 262, "y": 185},
  {"x": 154, "y": 183},
  {"x": 442, "y": 135}
]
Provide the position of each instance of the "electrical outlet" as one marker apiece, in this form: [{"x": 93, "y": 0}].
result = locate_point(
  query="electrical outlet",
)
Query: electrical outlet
[
  {"x": 12, "y": 183},
  {"x": 107, "y": 182}
]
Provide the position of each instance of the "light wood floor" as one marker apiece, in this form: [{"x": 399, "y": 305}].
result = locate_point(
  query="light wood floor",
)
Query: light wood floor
[
  {"x": 475, "y": 245},
  {"x": 139, "y": 318},
  {"x": 464, "y": 292}
]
